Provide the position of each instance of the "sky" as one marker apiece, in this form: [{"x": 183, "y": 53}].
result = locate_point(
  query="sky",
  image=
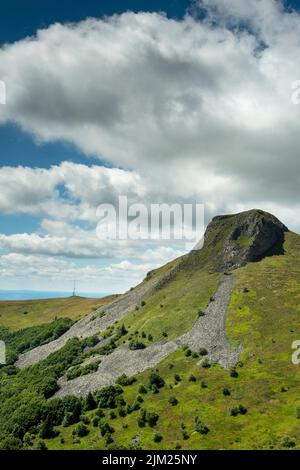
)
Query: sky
[{"x": 186, "y": 102}]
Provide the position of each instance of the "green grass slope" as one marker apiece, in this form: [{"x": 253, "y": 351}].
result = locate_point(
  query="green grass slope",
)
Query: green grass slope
[
  {"x": 264, "y": 315},
  {"x": 17, "y": 314}
]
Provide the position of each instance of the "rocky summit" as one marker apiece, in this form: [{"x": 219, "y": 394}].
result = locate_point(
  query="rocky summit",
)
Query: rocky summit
[{"x": 234, "y": 240}]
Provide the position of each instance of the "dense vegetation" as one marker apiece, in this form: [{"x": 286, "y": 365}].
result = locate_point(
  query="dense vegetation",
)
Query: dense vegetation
[{"x": 18, "y": 342}]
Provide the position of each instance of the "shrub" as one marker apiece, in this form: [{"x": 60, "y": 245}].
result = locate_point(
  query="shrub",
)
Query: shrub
[
  {"x": 185, "y": 435},
  {"x": 226, "y": 392},
  {"x": 206, "y": 364},
  {"x": 46, "y": 430},
  {"x": 150, "y": 337},
  {"x": 122, "y": 412},
  {"x": 89, "y": 402},
  {"x": 78, "y": 371},
  {"x": 81, "y": 430},
  {"x": 108, "y": 397},
  {"x": 142, "y": 389},
  {"x": 91, "y": 341},
  {"x": 238, "y": 410},
  {"x": 188, "y": 352},
  {"x": 177, "y": 378},
  {"x": 298, "y": 412},
  {"x": 125, "y": 381},
  {"x": 156, "y": 380},
  {"x": 233, "y": 372},
  {"x": 121, "y": 331},
  {"x": 200, "y": 427},
  {"x": 143, "y": 303},
  {"x": 157, "y": 437},
  {"x": 95, "y": 421},
  {"x": 134, "y": 345},
  {"x": 149, "y": 417},
  {"x": 173, "y": 400},
  {"x": 201, "y": 313},
  {"x": 11, "y": 443},
  {"x": 288, "y": 443},
  {"x": 105, "y": 429},
  {"x": 203, "y": 384},
  {"x": 203, "y": 352},
  {"x": 165, "y": 334},
  {"x": 40, "y": 445},
  {"x": 192, "y": 378}
]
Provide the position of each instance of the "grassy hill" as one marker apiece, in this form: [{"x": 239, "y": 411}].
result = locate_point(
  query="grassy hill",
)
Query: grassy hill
[
  {"x": 18, "y": 314},
  {"x": 184, "y": 401}
]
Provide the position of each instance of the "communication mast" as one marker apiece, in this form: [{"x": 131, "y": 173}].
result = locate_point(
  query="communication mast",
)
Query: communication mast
[{"x": 74, "y": 290}]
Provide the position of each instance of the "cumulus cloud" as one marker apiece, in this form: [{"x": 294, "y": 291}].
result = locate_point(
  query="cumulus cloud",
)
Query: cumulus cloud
[
  {"x": 169, "y": 98},
  {"x": 22, "y": 271},
  {"x": 68, "y": 192}
]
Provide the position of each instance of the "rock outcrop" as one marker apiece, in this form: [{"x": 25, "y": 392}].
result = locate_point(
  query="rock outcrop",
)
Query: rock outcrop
[{"x": 231, "y": 241}]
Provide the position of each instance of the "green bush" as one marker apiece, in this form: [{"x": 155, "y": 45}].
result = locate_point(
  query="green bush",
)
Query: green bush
[
  {"x": 206, "y": 364},
  {"x": 288, "y": 443},
  {"x": 173, "y": 400},
  {"x": 40, "y": 445},
  {"x": 200, "y": 427},
  {"x": 134, "y": 345},
  {"x": 106, "y": 429},
  {"x": 156, "y": 381},
  {"x": 81, "y": 430},
  {"x": 233, "y": 372},
  {"x": 125, "y": 381},
  {"x": 238, "y": 410},
  {"x": 157, "y": 437},
  {"x": 107, "y": 397},
  {"x": 203, "y": 352},
  {"x": 149, "y": 417}
]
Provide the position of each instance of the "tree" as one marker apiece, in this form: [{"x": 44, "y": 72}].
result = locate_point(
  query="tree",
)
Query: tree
[
  {"x": 156, "y": 380},
  {"x": 89, "y": 402},
  {"x": 40, "y": 445},
  {"x": 46, "y": 430},
  {"x": 81, "y": 430}
]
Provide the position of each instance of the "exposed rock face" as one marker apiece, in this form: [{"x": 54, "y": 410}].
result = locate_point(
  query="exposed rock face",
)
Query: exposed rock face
[{"x": 234, "y": 240}]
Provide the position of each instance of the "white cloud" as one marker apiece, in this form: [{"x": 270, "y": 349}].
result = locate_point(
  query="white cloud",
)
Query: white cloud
[
  {"x": 67, "y": 192},
  {"x": 169, "y": 98}
]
